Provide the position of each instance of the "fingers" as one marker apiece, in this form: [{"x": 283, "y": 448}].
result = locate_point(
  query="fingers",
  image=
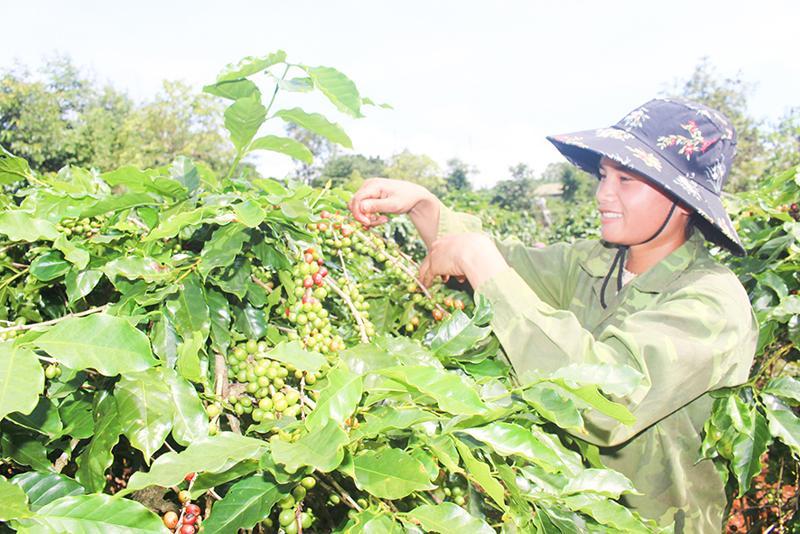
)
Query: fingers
[
  {"x": 372, "y": 206},
  {"x": 425, "y": 274},
  {"x": 370, "y": 189}
]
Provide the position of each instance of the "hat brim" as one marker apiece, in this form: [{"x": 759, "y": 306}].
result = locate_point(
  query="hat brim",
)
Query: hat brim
[{"x": 585, "y": 148}]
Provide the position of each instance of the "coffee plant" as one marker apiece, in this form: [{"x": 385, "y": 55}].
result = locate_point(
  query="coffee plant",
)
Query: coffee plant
[
  {"x": 187, "y": 352},
  {"x": 754, "y": 432}
]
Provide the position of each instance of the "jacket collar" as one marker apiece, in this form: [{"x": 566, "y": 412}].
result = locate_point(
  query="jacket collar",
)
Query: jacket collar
[{"x": 658, "y": 277}]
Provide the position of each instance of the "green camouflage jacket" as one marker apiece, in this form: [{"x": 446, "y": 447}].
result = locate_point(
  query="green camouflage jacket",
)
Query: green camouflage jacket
[{"x": 686, "y": 324}]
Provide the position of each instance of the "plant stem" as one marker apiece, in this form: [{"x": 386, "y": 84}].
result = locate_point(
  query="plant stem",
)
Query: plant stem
[
  {"x": 54, "y": 321},
  {"x": 240, "y": 155},
  {"x": 11, "y": 279},
  {"x": 775, "y": 355},
  {"x": 257, "y": 281},
  {"x": 342, "y": 493},
  {"x": 189, "y": 270},
  {"x": 344, "y": 267},
  {"x": 362, "y": 329},
  {"x": 397, "y": 263},
  {"x": 324, "y": 190}
]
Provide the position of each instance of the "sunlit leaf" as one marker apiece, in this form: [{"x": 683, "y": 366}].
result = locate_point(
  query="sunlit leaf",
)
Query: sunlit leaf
[
  {"x": 21, "y": 379},
  {"x": 247, "y": 502},
  {"x": 390, "y": 473},
  {"x": 103, "y": 342},
  {"x": 448, "y": 518},
  {"x": 93, "y": 513},
  {"x": 209, "y": 455}
]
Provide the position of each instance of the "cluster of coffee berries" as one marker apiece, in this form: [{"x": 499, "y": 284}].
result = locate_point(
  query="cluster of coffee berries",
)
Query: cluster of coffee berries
[
  {"x": 11, "y": 334},
  {"x": 264, "y": 276},
  {"x": 452, "y": 488},
  {"x": 188, "y": 522},
  {"x": 291, "y": 514},
  {"x": 306, "y": 312},
  {"x": 456, "y": 493},
  {"x": 81, "y": 227},
  {"x": 52, "y": 371},
  {"x": 336, "y": 232},
  {"x": 361, "y": 305},
  {"x": 271, "y": 389},
  {"x": 173, "y": 246}
]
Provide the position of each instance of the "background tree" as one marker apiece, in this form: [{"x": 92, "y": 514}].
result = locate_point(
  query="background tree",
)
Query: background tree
[
  {"x": 516, "y": 193},
  {"x": 177, "y": 122},
  {"x": 576, "y": 185},
  {"x": 521, "y": 171},
  {"x": 55, "y": 117},
  {"x": 729, "y": 95},
  {"x": 457, "y": 178},
  {"x": 417, "y": 168},
  {"x": 58, "y": 116},
  {"x": 349, "y": 169},
  {"x": 322, "y": 149},
  {"x": 783, "y": 143}
]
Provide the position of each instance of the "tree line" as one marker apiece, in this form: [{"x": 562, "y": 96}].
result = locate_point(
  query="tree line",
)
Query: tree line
[{"x": 57, "y": 115}]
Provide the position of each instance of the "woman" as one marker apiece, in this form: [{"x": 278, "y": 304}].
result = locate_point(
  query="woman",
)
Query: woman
[{"x": 648, "y": 295}]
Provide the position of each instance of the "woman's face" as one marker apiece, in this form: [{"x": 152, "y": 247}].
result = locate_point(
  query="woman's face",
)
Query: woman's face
[{"x": 631, "y": 210}]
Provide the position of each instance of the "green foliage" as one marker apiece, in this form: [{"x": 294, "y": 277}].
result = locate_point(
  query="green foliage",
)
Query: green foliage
[
  {"x": 457, "y": 177},
  {"x": 174, "y": 327},
  {"x": 746, "y": 420},
  {"x": 516, "y": 194},
  {"x": 577, "y": 186},
  {"x": 783, "y": 143},
  {"x": 417, "y": 168},
  {"x": 63, "y": 118},
  {"x": 347, "y": 171},
  {"x": 187, "y": 325},
  {"x": 729, "y": 95}
]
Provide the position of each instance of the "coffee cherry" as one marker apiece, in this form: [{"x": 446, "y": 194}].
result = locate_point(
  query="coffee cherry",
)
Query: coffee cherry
[
  {"x": 286, "y": 517},
  {"x": 187, "y": 529},
  {"x": 287, "y": 502},
  {"x": 193, "y": 509},
  {"x": 184, "y": 496},
  {"x": 308, "y": 482},
  {"x": 189, "y": 477},
  {"x": 170, "y": 520},
  {"x": 437, "y": 314},
  {"x": 299, "y": 493},
  {"x": 189, "y": 519},
  {"x": 51, "y": 371}
]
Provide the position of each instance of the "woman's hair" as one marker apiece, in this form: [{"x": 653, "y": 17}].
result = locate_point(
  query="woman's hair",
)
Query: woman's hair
[{"x": 705, "y": 228}]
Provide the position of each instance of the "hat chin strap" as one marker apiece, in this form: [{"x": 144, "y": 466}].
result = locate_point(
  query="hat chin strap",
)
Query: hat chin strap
[{"x": 619, "y": 259}]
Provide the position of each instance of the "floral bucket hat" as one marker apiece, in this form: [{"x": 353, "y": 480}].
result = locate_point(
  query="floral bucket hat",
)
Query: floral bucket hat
[{"x": 684, "y": 148}]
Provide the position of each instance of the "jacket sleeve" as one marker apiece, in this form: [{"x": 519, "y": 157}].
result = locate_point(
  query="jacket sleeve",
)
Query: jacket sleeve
[
  {"x": 547, "y": 271},
  {"x": 692, "y": 340},
  {"x": 695, "y": 339}
]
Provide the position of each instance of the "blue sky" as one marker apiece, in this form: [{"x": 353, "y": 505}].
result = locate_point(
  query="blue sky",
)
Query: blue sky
[{"x": 481, "y": 81}]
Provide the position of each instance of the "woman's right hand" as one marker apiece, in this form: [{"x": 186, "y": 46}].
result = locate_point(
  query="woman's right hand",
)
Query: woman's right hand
[
  {"x": 377, "y": 196},
  {"x": 380, "y": 196}
]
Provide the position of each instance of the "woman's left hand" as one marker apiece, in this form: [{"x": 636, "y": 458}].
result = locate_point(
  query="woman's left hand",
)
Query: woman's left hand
[{"x": 472, "y": 255}]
